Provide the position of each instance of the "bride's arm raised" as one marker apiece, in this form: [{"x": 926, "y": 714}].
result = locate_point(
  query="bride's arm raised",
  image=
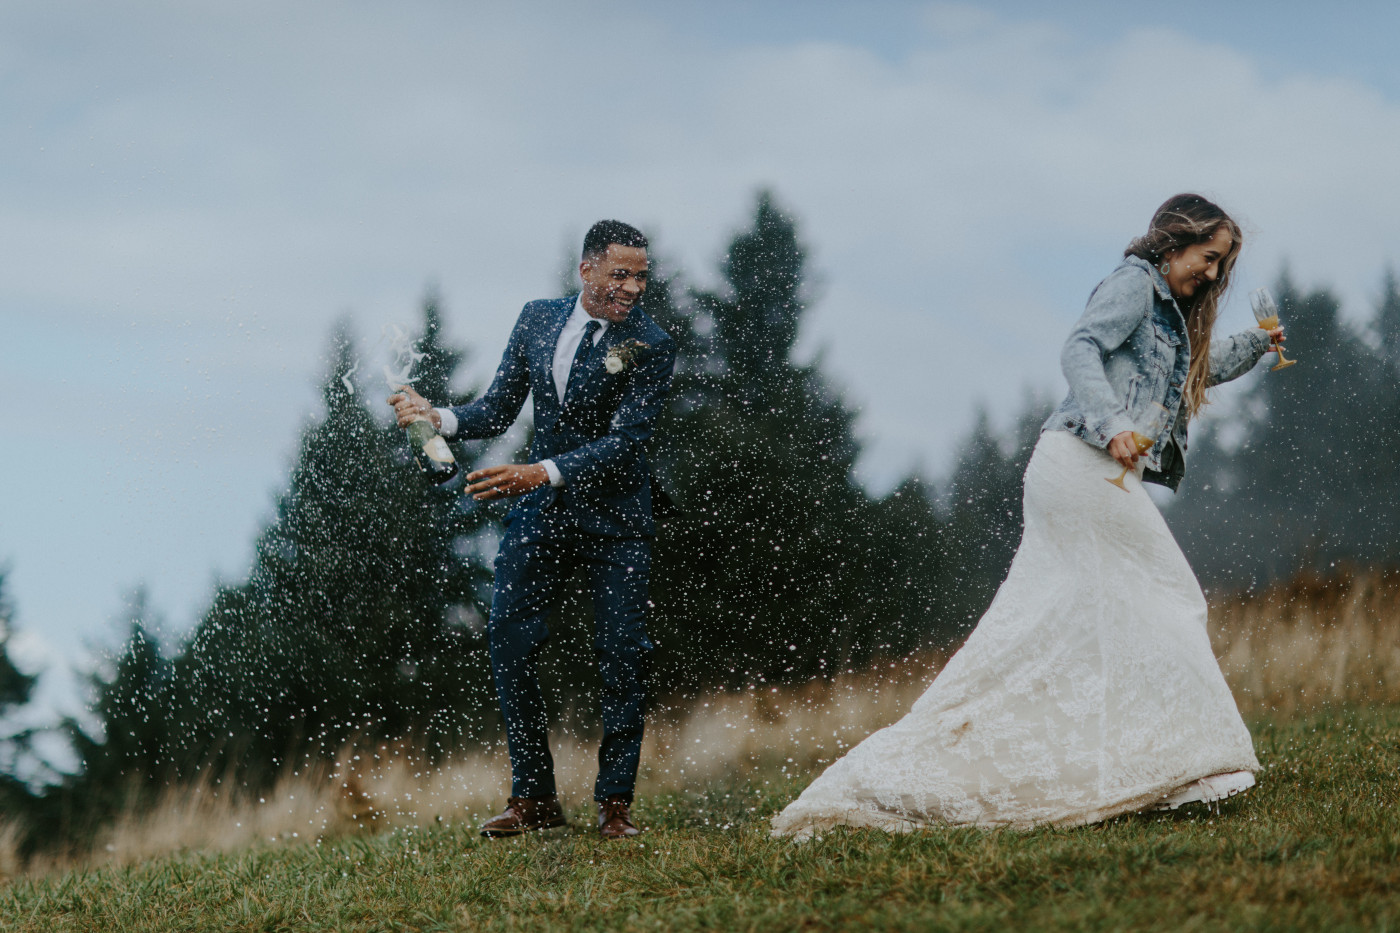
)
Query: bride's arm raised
[{"x": 1232, "y": 357}]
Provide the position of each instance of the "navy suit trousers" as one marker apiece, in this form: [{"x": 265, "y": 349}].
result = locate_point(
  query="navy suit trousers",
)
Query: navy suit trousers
[{"x": 539, "y": 553}]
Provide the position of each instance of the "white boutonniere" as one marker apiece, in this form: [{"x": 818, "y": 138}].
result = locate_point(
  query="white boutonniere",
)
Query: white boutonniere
[{"x": 622, "y": 355}]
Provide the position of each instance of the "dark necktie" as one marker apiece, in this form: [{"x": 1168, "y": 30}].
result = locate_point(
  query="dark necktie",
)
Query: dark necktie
[{"x": 585, "y": 346}]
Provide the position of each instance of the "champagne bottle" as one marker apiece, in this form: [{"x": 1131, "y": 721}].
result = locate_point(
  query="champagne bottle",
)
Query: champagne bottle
[{"x": 431, "y": 451}]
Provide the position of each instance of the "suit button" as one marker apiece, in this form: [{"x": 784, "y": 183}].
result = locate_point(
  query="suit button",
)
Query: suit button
[{"x": 1069, "y": 424}]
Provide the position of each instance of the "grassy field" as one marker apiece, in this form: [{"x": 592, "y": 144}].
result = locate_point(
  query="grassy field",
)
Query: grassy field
[
  {"x": 1315, "y": 846},
  {"x": 382, "y": 841}
]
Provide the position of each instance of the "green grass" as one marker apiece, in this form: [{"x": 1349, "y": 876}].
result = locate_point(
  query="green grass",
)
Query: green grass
[{"x": 1316, "y": 846}]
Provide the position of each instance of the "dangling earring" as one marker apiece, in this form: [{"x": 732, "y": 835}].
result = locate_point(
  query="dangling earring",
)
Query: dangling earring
[{"x": 1164, "y": 268}]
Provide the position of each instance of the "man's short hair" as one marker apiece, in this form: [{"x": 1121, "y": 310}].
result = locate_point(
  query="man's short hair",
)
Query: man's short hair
[{"x": 605, "y": 232}]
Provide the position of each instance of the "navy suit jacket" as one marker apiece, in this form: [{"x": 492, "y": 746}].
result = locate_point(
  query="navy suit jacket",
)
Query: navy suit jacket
[{"x": 597, "y": 435}]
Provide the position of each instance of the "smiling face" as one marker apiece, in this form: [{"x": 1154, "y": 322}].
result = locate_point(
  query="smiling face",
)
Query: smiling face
[
  {"x": 1191, "y": 269},
  {"x": 613, "y": 282}
]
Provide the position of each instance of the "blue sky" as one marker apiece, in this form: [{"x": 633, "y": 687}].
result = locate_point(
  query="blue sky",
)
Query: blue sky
[{"x": 190, "y": 196}]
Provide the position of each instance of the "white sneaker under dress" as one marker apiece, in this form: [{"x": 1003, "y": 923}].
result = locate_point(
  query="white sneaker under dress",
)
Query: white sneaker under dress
[{"x": 1210, "y": 789}]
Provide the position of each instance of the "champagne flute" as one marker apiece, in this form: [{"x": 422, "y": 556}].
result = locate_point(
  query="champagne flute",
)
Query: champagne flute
[
  {"x": 1154, "y": 422},
  {"x": 1266, "y": 313}
]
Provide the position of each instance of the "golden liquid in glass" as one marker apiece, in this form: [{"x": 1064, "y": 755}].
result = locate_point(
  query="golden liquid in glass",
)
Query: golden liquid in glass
[{"x": 1269, "y": 323}]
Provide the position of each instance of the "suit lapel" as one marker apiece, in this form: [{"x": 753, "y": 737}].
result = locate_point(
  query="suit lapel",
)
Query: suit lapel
[{"x": 542, "y": 381}]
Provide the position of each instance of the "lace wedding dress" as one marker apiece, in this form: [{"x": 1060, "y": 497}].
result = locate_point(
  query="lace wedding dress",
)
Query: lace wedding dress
[{"x": 1087, "y": 690}]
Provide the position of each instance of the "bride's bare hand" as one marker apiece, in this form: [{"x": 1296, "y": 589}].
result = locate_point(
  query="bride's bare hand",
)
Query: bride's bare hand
[{"x": 1123, "y": 449}]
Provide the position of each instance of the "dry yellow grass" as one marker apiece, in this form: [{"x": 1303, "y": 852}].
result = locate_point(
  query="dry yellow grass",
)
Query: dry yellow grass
[
  {"x": 1284, "y": 651},
  {"x": 725, "y": 735},
  {"x": 1312, "y": 641}
]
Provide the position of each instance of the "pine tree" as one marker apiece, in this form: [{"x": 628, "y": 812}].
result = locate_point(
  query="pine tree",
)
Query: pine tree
[
  {"x": 756, "y": 325},
  {"x": 28, "y": 802},
  {"x": 129, "y": 760},
  {"x": 15, "y": 685},
  {"x": 1381, "y": 431},
  {"x": 438, "y": 362},
  {"x": 984, "y": 506},
  {"x": 914, "y": 557},
  {"x": 1387, "y": 319},
  {"x": 16, "y": 688},
  {"x": 362, "y": 617},
  {"x": 1309, "y": 481},
  {"x": 768, "y": 571}
]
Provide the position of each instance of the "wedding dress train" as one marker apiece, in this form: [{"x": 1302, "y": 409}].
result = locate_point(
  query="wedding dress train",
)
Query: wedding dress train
[{"x": 1087, "y": 690}]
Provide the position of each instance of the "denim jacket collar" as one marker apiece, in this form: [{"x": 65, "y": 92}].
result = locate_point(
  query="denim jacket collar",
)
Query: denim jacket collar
[{"x": 1164, "y": 290}]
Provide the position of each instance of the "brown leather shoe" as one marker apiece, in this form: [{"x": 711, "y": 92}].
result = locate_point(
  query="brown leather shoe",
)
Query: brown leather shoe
[
  {"x": 525, "y": 815},
  {"x": 615, "y": 819}
]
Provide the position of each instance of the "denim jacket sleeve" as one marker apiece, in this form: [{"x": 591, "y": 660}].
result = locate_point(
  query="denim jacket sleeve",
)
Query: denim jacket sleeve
[
  {"x": 1116, "y": 308},
  {"x": 1234, "y": 356}
]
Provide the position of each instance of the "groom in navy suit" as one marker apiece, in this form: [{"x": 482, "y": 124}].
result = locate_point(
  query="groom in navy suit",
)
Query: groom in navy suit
[{"x": 599, "y": 370}]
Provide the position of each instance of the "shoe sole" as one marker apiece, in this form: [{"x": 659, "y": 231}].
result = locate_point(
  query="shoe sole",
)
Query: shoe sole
[{"x": 1231, "y": 792}]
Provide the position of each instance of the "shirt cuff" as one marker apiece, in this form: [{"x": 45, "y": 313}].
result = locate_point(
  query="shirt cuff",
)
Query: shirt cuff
[
  {"x": 449, "y": 422},
  {"x": 555, "y": 477}
]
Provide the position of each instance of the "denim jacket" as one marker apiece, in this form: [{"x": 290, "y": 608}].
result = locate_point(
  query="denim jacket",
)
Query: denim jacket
[{"x": 1128, "y": 351}]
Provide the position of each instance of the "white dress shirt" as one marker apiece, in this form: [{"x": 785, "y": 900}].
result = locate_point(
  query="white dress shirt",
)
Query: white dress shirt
[
  {"x": 569, "y": 339},
  {"x": 564, "y": 352}
]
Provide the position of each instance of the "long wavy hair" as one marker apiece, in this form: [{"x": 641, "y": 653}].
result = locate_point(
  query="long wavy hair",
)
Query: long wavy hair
[{"x": 1182, "y": 220}]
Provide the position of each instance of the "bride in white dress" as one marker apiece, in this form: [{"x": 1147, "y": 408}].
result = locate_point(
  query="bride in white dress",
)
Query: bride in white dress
[{"x": 1088, "y": 689}]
